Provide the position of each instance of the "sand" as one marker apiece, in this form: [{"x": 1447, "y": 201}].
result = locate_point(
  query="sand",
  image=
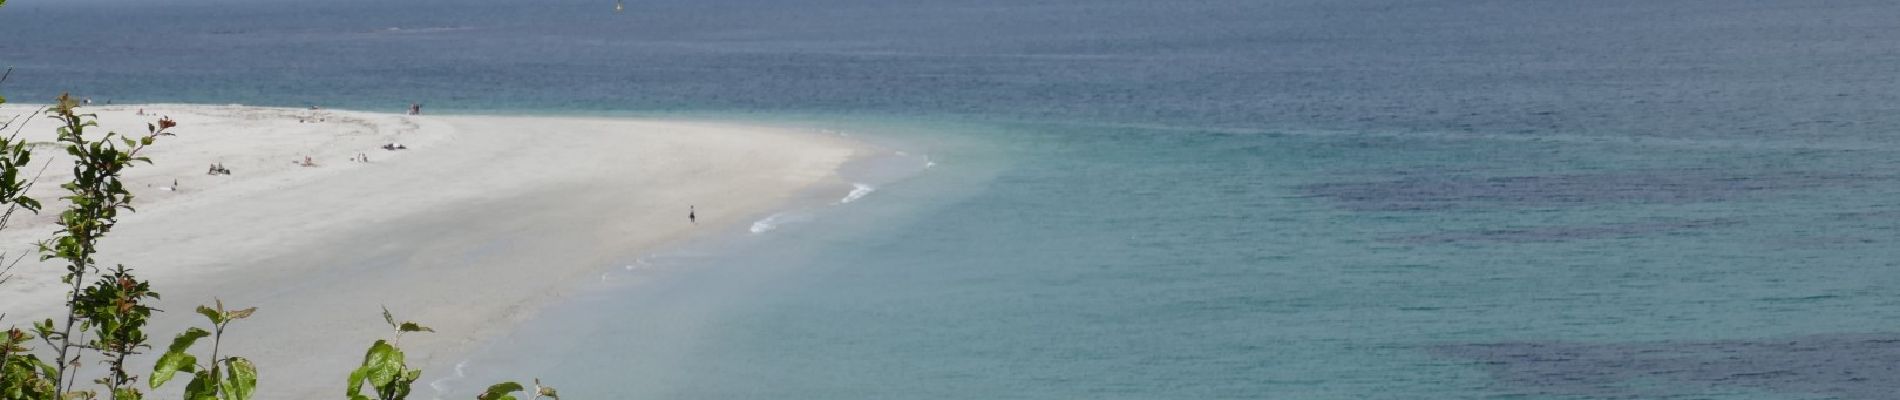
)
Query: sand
[{"x": 481, "y": 222}]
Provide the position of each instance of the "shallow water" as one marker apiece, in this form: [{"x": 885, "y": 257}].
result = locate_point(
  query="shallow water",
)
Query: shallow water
[{"x": 1214, "y": 199}]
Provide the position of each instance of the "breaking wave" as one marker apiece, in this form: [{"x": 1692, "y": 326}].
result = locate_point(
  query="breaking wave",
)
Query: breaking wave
[{"x": 858, "y": 191}]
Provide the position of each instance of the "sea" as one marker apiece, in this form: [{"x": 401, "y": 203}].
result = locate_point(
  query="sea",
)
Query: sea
[{"x": 1155, "y": 199}]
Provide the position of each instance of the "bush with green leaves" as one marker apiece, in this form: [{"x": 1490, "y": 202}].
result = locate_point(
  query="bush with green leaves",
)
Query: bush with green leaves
[
  {"x": 384, "y": 368},
  {"x": 112, "y": 311},
  {"x": 108, "y": 318},
  {"x": 221, "y": 378}
]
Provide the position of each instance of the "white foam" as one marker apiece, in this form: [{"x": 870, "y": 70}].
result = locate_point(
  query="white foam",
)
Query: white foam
[
  {"x": 767, "y": 224},
  {"x": 858, "y": 191},
  {"x": 441, "y": 386}
]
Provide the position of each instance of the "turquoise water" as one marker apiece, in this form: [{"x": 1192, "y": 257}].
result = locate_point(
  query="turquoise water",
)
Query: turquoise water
[
  {"x": 1071, "y": 261},
  {"x": 1212, "y": 199}
]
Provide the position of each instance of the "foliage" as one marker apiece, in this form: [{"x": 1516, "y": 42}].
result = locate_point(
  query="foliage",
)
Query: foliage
[
  {"x": 227, "y": 378},
  {"x": 15, "y": 154},
  {"x": 109, "y": 316},
  {"x": 506, "y": 391},
  {"x": 111, "y": 310},
  {"x": 115, "y": 310},
  {"x": 23, "y": 375},
  {"x": 383, "y": 366},
  {"x": 386, "y": 373}
]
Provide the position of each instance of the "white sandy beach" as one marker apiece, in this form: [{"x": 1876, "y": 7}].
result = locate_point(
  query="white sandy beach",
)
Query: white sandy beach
[{"x": 479, "y": 223}]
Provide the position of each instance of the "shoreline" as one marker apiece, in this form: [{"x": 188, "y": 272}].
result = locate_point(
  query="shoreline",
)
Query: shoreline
[{"x": 485, "y": 221}]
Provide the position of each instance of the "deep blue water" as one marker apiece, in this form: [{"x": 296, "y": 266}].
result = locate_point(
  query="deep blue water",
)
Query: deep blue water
[{"x": 1348, "y": 199}]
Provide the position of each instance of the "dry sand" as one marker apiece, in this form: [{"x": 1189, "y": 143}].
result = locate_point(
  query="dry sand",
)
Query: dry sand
[{"x": 482, "y": 221}]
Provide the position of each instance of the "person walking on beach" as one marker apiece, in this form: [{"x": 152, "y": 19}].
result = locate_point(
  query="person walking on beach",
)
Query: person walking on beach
[{"x": 692, "y": 215}]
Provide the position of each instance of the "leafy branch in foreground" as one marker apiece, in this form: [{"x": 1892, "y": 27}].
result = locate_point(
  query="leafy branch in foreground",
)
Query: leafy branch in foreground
[
  {"x": 14, "y": 157},
  {"x": 227, "y": 378},
  {"x": 506, "y": 390},
  {"x": 114, "y": 307},
  {"x": 390, "y": 377},
  {"x": 22, "y": 374},
  {"x": 109, "y": 317},
  {"x": 96, "y": 195},
  {"x": 383, "y": 366}
]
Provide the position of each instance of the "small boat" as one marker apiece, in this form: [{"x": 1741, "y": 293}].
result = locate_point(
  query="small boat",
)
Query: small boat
[{"x": 619, "y": 6}]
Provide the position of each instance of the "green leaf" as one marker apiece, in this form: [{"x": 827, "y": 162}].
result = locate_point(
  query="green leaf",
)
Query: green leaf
[
  {"x": 175, "y": 358},
  {"x": 171, "y": 363},
  {"x": 185, "y": 340},
  {"x": 47, "y": 369},
  {"x": 413, "y": 327},
  {"x": 500, "y": 391},
  {"x": 391, "y": 319},
  {"x": 201, "y": 387},
  {"x": 356, "y": 381},
  {"x": 214, "y": 315},
  {"x": 126, "y": 393},
  {"x": 382, "y": 363},
  {"x": 240, "y": 379}
]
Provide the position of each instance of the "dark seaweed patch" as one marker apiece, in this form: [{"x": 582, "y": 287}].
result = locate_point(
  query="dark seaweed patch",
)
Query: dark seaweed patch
[
  {"x": 1848, "y": 366},
  {"x": 1638, "y": 187},
  {"x": 1565, "y": 233}
]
